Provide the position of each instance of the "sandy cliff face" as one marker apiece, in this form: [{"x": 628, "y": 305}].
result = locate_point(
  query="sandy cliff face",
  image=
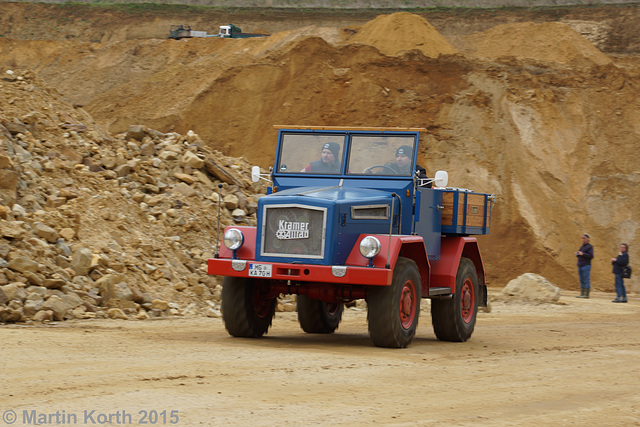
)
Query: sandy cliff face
[{"x": 534, "y": 113}]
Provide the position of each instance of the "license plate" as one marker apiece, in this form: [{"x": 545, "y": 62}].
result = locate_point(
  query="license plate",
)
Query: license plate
[{"x": 260, "y": 270}]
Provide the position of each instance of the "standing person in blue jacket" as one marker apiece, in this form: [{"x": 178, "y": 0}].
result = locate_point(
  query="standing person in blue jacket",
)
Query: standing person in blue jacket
[
  {"x": 584, "y": 254},
  {"x": 622, "y": 260}
]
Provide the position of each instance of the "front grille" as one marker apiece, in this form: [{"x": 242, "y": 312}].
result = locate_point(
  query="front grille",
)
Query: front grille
[{"x": 293, "y": 231}]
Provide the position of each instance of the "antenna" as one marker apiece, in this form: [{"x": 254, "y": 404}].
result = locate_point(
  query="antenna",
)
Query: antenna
[{"x": 217, "y": 255}]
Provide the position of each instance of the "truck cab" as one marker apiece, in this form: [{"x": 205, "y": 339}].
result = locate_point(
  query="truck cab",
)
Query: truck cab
[
  {"x": 231, "y": 31},
  {"x": 226, "y": 31},
  {"x": 350, "y": 215}
]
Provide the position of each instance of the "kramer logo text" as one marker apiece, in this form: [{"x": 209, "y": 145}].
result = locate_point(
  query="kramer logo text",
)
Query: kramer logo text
[{"x": 292, "y": 230}]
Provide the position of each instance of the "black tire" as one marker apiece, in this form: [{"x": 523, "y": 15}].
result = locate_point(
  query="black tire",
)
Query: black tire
[
  {"x": 318, "y": 317},
  {"x": 454, "y": 319},
  {"x": 246, "y": 310},
  {"x": 394, "y": 310}
]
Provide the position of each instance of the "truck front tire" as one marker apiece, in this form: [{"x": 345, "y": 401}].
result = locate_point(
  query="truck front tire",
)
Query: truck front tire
[
  {"x": 393, "y": 311},
  {"x": 247, "y": 309},
  {"x": 318, "y": 317},
  {"x": 454, "y": 319}
]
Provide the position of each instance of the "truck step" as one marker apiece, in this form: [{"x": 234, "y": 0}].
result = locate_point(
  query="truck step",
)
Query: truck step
[{"x": 439, "y": 291}]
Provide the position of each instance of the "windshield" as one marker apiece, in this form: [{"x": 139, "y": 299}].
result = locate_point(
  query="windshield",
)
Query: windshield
[
  {"x": 311, "y": 153},
  {"x": 381, "y": 155},
  {"x": 323, "y": 153}
]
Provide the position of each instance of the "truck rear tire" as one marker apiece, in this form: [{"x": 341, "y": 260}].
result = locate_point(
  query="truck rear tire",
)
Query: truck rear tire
[
  {"x": 394, "y": 310},
  {"x": 318, "y": 317},
  {"x": 454, "y": 319},
  {"x": 247, "y": 310}
]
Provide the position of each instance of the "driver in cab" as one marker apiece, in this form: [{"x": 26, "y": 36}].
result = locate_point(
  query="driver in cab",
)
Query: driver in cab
[{"x": 402, "y": 165}]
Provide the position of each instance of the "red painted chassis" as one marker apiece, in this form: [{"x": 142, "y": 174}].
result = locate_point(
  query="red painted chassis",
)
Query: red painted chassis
[{"x": 438, "y": 277}]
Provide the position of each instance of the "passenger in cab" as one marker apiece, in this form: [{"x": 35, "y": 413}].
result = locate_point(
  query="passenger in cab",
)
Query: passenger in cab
[{"x": 329, "y": 160}]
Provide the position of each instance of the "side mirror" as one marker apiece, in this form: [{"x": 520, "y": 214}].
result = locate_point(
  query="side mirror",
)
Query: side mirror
[
  {"x": 441, "y": 180},
  {"x": 255, "y": 173},
  {"x": 257, "y": 176}
]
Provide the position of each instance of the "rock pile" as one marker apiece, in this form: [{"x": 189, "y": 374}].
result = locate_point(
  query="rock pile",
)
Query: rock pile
[
  {"x": 531, "y": 287},
  {"x": 95, "y": 225}
]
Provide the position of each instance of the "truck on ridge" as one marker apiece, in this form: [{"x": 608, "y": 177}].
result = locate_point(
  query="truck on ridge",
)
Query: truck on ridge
[
  {"x": 229, "y": 31},
  {"x": 362, "y": 229}
]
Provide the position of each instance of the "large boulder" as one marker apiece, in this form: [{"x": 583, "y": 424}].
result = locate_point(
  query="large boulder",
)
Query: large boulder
[
  {"x": 81, "y": 261},
  {"x": 112, "y": 287},
  {"x": 57, "y": 305},
  {"x": 23, "y": 265},
  {"x": 45, "y": 232}
]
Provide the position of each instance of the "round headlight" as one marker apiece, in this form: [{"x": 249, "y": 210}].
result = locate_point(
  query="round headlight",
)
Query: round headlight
[
  {"x": 233, "y": 238},
  {"x": 369, "y": 247}
]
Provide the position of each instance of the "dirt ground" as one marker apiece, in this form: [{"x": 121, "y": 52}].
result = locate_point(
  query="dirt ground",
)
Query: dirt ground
[{"x": 571, "y": 363}]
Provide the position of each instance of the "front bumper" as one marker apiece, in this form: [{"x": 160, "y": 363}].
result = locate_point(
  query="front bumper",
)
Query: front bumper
[{"x": 341, "y": 274}]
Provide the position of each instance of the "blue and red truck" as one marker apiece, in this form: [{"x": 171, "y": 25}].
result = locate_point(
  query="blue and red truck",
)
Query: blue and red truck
[{"x": 360, "y": 229}]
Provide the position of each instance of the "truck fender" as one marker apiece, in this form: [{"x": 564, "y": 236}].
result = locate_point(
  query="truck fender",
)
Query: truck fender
[
  {"x": 444, "y": 270},
  {"x": 411, "y": 247},
  {"x": 247, "y": 250}
]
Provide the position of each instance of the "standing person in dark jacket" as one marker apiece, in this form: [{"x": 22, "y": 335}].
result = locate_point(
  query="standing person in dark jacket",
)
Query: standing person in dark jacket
[
  {"x": 620, "y": 261},
  {"x": 585, "y": 254}
]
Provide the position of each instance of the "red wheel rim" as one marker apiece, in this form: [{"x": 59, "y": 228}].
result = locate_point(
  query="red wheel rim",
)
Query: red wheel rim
[
  {"x": 261, "y": 302},
  {"x": 408, "y": 304},
  {"x": 467, "y": 301}
]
